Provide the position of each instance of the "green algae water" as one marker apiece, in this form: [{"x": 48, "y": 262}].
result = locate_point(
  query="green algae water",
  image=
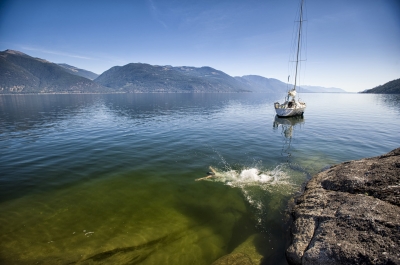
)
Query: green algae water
[{"x": 111, "y": 179}]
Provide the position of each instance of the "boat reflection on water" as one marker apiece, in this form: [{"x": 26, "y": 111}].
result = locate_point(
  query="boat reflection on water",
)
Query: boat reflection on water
[{"x": 287, "y": 126}]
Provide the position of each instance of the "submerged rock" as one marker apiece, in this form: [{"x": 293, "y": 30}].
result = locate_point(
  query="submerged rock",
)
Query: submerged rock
[
  {"x": 244, "y": 254},
  {"x": 349, "y": 214},
  {"x": 234, "y": 259}
]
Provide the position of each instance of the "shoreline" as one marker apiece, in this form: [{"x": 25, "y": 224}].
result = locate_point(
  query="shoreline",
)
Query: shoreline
[
  {"x": 110, "y": 93},
  {"x": 178, "y": 92}
]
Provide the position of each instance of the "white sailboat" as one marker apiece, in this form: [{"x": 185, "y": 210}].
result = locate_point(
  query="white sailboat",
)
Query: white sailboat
[{"x": 292, "y": 105}]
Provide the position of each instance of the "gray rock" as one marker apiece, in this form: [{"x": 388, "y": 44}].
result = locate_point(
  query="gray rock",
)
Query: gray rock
[{"x": 349, "y": 214}]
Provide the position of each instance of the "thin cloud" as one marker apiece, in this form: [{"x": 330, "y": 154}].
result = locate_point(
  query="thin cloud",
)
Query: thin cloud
[
  {"x": 155, "y": 13},
  {"x": 56, "y": 53}
]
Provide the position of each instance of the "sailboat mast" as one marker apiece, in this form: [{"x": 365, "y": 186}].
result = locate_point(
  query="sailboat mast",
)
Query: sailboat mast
[
  {"x": 292, "y": 106},
  {"x": 298, "y": 42}
]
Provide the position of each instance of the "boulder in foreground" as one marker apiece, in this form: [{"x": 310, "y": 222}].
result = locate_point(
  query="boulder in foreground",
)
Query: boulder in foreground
[{"x": 349, "y": 214}]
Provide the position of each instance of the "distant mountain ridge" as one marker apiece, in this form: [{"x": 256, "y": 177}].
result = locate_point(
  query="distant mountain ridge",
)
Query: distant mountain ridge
[
  {"x": 320, "y": 89},
  {"x": 261, "y": 84},
  {"x": 139, "y": 77},
  {"x": 271, "y": 85},
  {"x": 391, "y": 87},
  {"x": 21, "y": 73},
  {"x": 77, "y": 71}
]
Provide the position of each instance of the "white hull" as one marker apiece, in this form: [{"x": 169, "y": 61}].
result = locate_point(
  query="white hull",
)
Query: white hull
[{"x": 296, "y": 109}]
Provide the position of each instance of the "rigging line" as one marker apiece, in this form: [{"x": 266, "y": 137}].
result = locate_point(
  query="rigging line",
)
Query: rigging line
[
  {"x": 303, "y": 49},
  {"x": 305, "y": 33},
  {"x": 293, "y": 44},
  {"x": 298, "y": 42}
]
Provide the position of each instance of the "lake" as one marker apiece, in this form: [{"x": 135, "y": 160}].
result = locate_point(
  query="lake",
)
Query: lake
[{"x": 111, "y": 179}]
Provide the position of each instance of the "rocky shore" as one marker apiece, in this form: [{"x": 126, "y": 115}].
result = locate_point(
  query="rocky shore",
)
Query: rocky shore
[{"x": 349, "y": 214}]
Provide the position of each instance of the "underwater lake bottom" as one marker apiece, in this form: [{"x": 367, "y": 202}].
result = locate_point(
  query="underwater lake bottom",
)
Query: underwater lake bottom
[{"x": 111, "y": 179}]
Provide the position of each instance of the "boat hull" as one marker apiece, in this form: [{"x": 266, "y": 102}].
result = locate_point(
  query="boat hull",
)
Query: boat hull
[{"x": 290, "y": 112}]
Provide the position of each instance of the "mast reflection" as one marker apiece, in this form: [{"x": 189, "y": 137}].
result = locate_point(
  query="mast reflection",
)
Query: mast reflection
[{"x": 287, "y": 126}]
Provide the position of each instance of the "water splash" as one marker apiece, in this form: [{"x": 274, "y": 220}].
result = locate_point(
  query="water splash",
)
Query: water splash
[
  {"x": 264, "y": 190},
  {"x": 247, "y": 177}
]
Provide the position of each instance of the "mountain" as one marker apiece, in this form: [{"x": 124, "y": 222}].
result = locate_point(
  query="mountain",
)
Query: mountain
[
  {"x": 257, "y": 83},
  {"x": 77, "y": 71},
  {"x": 140, "y": 77},
  {"x": 320, "y": 89},
  {"x": 392, "y": 87},
  {"x": 21, "y": 73}
]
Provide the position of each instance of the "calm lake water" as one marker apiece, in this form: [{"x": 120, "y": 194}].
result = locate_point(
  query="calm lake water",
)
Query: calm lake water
[{"x": 110, "y": 179}]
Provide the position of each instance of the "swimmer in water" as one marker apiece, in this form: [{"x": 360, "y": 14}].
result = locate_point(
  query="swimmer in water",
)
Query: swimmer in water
[{"x": 210, "y": 174}]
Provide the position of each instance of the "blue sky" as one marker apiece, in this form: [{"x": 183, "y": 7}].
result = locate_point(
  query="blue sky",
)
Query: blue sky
[{"x": 351, "y": 44}]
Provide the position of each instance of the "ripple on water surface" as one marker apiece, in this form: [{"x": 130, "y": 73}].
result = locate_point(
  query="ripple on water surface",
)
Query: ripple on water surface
[{"x": 110, "y": 179}]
